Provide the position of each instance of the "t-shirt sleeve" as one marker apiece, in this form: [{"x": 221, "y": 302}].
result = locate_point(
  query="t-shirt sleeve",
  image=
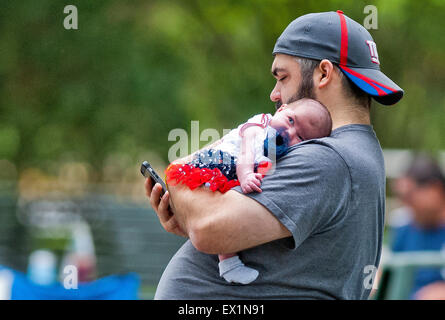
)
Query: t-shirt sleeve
[{"x": 308, "y": 190}]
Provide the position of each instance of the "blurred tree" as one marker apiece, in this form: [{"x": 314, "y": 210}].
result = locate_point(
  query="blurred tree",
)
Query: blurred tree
[{"x": 135, "y": 70}]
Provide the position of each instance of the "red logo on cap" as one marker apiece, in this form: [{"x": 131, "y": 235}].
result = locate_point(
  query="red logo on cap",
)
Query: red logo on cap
[{"x": 373, "y": 51}]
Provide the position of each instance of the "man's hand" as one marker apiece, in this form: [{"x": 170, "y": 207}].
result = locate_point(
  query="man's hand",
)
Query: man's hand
[
  {"x": 162, "y": 208},
  {"x": 250, "y": 182}
]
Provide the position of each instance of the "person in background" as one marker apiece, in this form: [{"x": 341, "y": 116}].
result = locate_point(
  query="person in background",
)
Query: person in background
[{"x": 422, "y": 191}]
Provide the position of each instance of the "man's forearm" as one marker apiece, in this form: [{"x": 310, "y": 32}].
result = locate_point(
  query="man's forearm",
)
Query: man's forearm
[
  {"x": 224, "y": 223},
  {"x": 191, "y": 209}
]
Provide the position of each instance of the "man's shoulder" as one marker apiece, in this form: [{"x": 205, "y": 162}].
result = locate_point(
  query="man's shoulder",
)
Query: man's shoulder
[
  {"x": 316, "y": 164},
  {"x": 356, "y": 148},
  {"x": 317, "y": 152}
]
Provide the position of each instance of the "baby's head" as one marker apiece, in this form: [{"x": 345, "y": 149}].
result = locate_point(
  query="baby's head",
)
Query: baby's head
[{"x": 301, "y": 120}]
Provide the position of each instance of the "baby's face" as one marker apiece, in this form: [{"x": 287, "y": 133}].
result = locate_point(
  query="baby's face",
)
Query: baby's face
[{"x": 296, "y": 123}]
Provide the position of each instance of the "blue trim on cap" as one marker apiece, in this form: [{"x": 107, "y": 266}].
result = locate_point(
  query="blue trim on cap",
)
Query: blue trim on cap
[
  {"x": 383, "y": 88},
  {"x": 365, "y": 86}
]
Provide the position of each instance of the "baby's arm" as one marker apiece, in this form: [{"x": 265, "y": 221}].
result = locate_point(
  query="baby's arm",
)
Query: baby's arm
[{"x": 248, "y": 180}]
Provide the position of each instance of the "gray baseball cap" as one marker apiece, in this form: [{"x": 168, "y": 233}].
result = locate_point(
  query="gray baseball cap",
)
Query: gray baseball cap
[{"x": 341, "y": 40}]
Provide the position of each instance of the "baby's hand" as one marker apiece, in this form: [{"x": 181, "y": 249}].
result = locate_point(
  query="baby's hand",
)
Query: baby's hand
[{"x": 251, "y": 182}]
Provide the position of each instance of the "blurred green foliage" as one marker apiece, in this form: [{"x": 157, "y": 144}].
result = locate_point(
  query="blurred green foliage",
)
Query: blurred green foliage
[{"x": 134, "y": 70}]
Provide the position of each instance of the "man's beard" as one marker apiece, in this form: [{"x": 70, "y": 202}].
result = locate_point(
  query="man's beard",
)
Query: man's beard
[{"x": 306, "y": 90}]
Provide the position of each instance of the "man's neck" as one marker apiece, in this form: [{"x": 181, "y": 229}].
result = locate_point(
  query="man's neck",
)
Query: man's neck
[{"x": 343, "y": 116}]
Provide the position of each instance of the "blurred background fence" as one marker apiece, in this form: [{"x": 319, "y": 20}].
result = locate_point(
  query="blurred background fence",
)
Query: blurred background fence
[{"x": 127, "y": 236}]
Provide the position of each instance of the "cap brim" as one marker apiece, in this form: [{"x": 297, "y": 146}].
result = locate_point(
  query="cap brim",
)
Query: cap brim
[{"x": 375, "y": 83}]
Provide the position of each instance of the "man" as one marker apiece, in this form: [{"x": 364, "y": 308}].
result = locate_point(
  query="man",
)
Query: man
[
  {"x": 318, "y": 222},
  {"x": 422, "y": 190}
]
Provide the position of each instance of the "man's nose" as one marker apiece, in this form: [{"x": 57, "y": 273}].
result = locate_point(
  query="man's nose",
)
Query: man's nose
[{"x": 275, "y": 95}]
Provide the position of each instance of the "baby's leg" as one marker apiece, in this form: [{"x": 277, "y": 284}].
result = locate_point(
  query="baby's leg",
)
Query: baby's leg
[
  {"x": 226, "y": 256},
  {"x": 232, "y": 269}
]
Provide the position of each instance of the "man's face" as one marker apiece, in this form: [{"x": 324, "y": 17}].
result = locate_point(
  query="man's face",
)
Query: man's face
[{"x": 290, "y": 86}]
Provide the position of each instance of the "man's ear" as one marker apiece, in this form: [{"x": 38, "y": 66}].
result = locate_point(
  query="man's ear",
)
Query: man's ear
[
  {"x": 323, "y": 74},
  {"x": 283, "y": 106}
]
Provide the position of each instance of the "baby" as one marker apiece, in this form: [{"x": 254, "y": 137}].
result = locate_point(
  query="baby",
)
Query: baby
[
  {"x": 301, "y": 120},
  {"x": 243, "y": 157}
]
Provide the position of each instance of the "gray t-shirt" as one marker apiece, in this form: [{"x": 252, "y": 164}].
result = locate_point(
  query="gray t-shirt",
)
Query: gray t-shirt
[{"x": 330, "y": 194}]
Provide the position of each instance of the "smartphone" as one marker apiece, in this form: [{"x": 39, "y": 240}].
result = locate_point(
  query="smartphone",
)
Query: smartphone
[{"x": 148, "y": 172}]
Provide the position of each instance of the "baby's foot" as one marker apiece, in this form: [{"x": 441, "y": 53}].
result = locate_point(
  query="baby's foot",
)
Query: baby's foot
[{"x": 234, "y": 270}]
